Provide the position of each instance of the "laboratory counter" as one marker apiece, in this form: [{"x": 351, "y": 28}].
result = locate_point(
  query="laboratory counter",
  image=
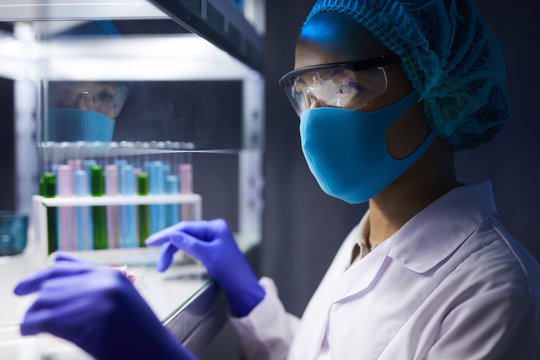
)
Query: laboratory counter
[{"x": 184, "y": 298}]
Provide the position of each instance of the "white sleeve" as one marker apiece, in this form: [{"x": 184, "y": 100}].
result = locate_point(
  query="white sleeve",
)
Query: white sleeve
[
  {"x": 501, "y": 323},
  {"x": 268, "y": 330}
]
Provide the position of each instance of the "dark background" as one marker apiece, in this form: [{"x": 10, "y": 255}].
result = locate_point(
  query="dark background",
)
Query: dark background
[{"x": 304, "y": 227}]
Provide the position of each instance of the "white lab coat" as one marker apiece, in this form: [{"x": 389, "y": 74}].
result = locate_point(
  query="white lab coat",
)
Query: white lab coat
[{"x": 450, "y": 284}]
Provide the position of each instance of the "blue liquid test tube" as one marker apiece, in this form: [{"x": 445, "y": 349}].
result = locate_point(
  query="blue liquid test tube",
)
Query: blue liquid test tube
[
  {"x": 85, "y": 231},
  {"x": 157, "y": 187},
  {"x": 120, "y": 163},
  {"x": 128, "y": 226},
  {"x": 54, "y": 169},
  {"x": 87, "y": 165},
  {"x": 173, "y": 212},
  {"x": 166, "y": 172},
  {"x": 146, "y": 167}
]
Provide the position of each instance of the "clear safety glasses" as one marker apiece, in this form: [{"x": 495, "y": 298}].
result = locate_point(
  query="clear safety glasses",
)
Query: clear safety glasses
[
  {"x": 349, "y": 85},
  {"x": 104, "y": 97}
]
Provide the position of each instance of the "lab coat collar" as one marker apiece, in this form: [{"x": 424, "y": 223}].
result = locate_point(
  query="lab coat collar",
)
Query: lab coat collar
[{"x": 437, "y": 231}]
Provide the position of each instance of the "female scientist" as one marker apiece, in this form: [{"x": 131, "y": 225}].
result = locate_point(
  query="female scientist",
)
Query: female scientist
[{"x": 386, "y": 92}]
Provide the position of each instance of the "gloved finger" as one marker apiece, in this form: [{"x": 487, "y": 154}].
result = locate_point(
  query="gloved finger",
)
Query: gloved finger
[
  {"x": 190, "y": 244},
  {"x": 159, "y": 238},
  {"x": 197, "y": 229},
  {"x": 162, "y": 236},
  {"x": 52, "y": 320},
  {"x": 62, "y": 256},
  {"x": 165, "y": 260},
  {"x": 59, "y": 290},
  {"x": 60, "y": 269},
  {"x": 204, "y": 230}
]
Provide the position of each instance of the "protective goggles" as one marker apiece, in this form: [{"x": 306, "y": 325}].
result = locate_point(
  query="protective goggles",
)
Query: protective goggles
[
  {"x": 104, "y": 97},
  {"x": 349, "y": 85}
]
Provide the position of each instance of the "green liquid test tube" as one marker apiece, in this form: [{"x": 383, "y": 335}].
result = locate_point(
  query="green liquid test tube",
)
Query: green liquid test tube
[
  {"x": 143, "y": 211},
  {"x": 47, "y": 187},
  {"x": 99, "y": 214}
]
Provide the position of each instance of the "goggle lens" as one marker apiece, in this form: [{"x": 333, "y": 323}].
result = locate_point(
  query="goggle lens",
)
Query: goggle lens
[{"x": 335, "y": 87}]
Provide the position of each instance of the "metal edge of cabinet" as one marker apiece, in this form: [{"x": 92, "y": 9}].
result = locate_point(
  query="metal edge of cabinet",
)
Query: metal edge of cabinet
[
  {"x": 201, "y": 318},
  {"x": 222, "y": 24},
  {"x": 200, "y": 321},
  {"x": 77, "y": 10}
]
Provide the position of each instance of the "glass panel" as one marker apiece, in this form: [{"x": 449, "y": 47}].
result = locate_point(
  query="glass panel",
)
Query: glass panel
[{"x": 138, "y": 124}]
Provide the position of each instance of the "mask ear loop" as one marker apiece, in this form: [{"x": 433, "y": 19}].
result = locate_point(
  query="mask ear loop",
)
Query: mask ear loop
[
  {"x": 410, "y": 100},
  {"x": 119, "y": 99}
]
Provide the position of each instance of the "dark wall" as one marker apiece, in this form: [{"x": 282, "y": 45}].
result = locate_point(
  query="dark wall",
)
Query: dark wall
[
  {"x": 7, "y": 149},
  {"x": 304, "y": 227}
]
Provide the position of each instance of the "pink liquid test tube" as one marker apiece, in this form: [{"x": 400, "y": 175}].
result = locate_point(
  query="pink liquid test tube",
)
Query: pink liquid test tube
[
  {"x": 113, "y": 212},
  {"x": 66, "y": 214},
  {"x": 76, "y": 164}
]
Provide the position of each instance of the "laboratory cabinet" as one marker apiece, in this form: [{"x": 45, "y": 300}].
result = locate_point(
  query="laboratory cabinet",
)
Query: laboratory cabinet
[{"x": 130, "y": 116}]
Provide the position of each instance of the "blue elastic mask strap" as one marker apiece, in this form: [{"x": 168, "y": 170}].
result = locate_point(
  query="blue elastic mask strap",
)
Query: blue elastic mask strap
[
  {"x": 421, "y": 149},
  {"x": 402, "y": 106},
  {"x": 405, "y": 104}
]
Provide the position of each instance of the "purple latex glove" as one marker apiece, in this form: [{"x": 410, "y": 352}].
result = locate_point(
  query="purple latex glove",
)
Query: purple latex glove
[
  {"x": 97, "y": 309},
  {"x": 213, "y": 244}
]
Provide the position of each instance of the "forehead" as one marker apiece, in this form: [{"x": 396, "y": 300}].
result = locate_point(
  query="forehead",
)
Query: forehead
[{"x": 335, "y": 37}]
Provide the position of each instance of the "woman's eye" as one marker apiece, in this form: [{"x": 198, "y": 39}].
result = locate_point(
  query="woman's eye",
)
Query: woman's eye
[
  {"x": 104, "y": 97},
  {"x": 347, "y": 88}
]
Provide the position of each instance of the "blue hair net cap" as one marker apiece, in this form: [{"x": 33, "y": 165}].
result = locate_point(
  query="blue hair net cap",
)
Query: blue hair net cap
[{"x": 451, "y": 57}]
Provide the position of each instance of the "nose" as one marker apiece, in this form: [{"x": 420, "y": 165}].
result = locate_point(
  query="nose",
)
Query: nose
[{"x": 314, "y": 102}]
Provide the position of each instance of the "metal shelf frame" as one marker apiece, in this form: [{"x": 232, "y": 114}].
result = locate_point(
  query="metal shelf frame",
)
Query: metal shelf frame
[
  {"x": 217, "y": 21},
  {"x": 221, "y": 23}
]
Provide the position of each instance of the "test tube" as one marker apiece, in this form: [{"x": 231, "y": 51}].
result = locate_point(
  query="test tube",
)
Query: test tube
[
  {"x": 143, "y": 210},
  {"x": 76, "y": 164},
  {"x": 48, "y": 190},
  {"x": 120, "y": 163},
  {"x": 54, "y": 169},
  {"x": 128, "y": 235},
  {"x": 185, "y": 172},
  {"x": 157, "y": 187},
  {"x": 66, "y": 214},
  {"x": 166, "y": 171},
  {"x": 173, "y": 215},
  {"x": 87, "y": 165},
  {"x": 83, "y": 213},
  {"x": 111, "y": 189},
  {"x": 99, "y": 216}
]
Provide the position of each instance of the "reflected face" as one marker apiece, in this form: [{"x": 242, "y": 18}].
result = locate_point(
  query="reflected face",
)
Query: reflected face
[
  {"x": 334, "y": 37},
  {"x": 103, "y": 97}
]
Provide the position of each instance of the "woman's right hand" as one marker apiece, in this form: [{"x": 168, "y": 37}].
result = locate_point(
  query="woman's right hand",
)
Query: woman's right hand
[{"x": 213, "y": 244}]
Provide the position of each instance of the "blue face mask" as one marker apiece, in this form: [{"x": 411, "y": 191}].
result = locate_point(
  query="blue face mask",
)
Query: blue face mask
[
  {"x": 346, "y": 150},
  {"x": 78, "y": 125}
]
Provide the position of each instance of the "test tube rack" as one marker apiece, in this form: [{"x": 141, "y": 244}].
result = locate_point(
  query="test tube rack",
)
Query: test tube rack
[{"x": 41, "y": 204}]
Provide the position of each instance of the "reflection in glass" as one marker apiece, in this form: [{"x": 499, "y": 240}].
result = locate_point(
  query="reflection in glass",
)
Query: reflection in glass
[{"x": 83, "y": 111}]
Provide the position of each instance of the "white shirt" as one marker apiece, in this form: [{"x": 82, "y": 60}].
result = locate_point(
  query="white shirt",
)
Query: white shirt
[{"x": 450, "y": 284}]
